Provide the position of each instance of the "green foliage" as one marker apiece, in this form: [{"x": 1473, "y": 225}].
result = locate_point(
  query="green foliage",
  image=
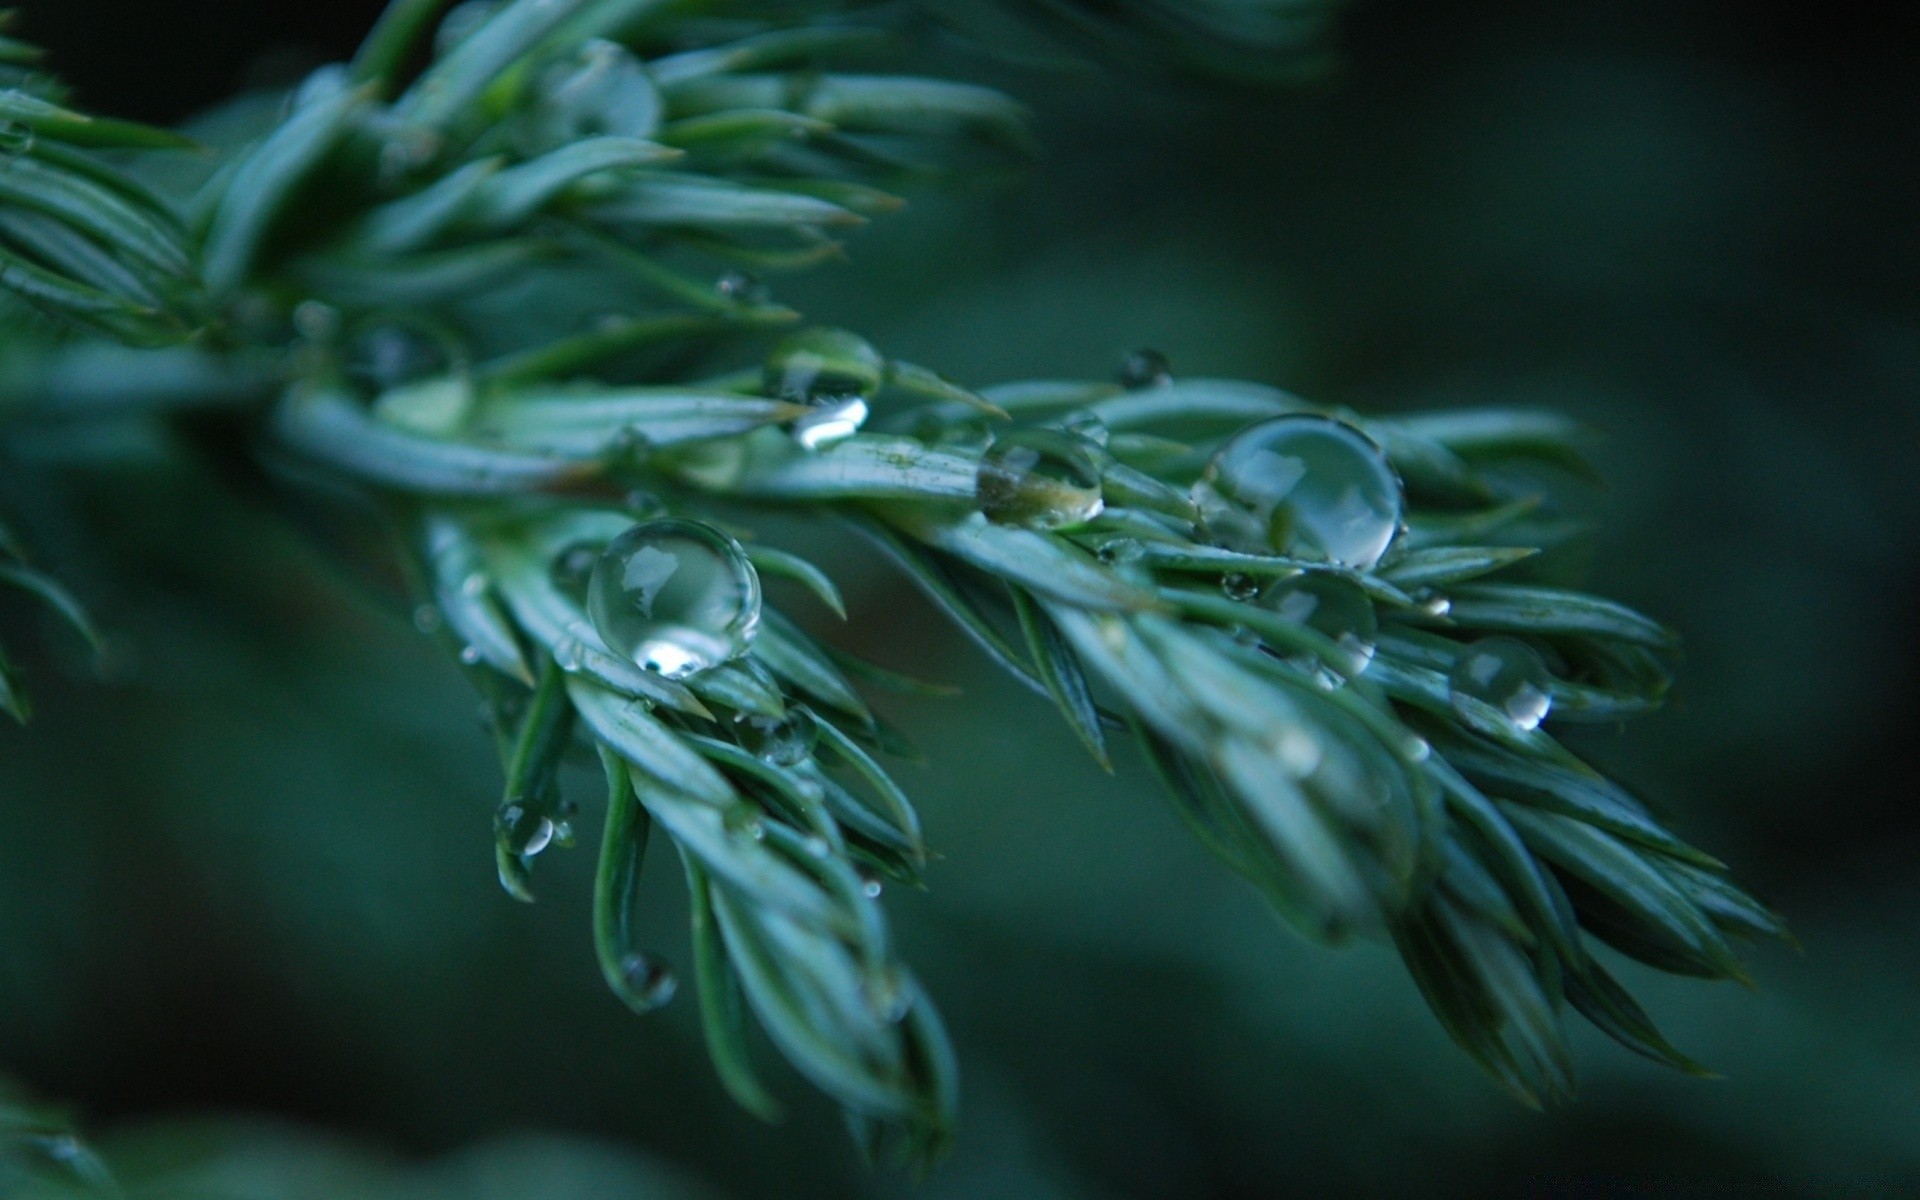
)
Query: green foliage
[{"x": 481, "y": 296}]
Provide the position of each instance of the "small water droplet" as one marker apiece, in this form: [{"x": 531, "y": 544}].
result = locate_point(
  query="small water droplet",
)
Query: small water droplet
[
  {"x": 830, "y": 423},
  {"x": 818, "y": 364},
  {"x": 836, "y": 373},
  {"x": 426, "y": 619},
  {"x": 1039, "y": 478},
  {"x": 16, "y": 138},
  {"x": 1333, "y": 606},
  {"x": 1240, "y": 587},
  {"x": 1144, "y": 369},
  {"x": 741, "y": 288},
  {"x": 744, "y": 821},
  {"x": 1431, "y": 603},
  {"x": 1301, "y": 485},
  {"x": 870, "y": 887},
  {"x": 817, "y": 846},
  {"x": 569, "y": 654},
  {"x": 1505, "y": 675},
  {"x": 573, "y": 568},
  {"x": 675, "y": 596},
  {"x": 1088, "y": 426},
  {"x": 647, "y": 982},
  {"x": 1416, "y": 749},
  {"x": 563, "y": 835},
  {"x": 1121, "y": 551},
  {"x": 470, "y": 655},
  {"x": 523, "y": 831},
  {"x": 781, "y": 741}
]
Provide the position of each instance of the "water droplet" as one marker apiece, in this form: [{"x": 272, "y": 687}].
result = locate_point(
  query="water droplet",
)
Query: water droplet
[
  {"x": 817, "y": 846},
  {"x": 426, "y": 619},
  {"x": 1332, "y": 606},
  {"x": 1505, "y": 675},
  {"x": 1416, "y": 749},
  {"x": 781, "y": 741},
  {"x": 1039, "y": 478},
  {"x": 741, "y": 288},
  {"x": 523, "y": 831},
  {"x": 1240, "y": 587},
  {"x": 1301, "y": 485},
  {"x": 870, "y": 887},
  {"x": 569, "y": 654},
  {"x": 1121, "y": 551},
  {"x": 1431, "y": 603},
  {"x": 16, "y": 138},
  {"x": 675, "y": 596},
  {"x": 1086, "y": 425},
  {"x": 388, "y": 356},
  {"x": 744, "y": 821},
  {"x": 647, "y": 982},
  {"x": 824, "y": 364},
  {"x": 563, "y": 834},
  {"x": 831, "y": 422},
  {"x": 1145, "y": 369},
  {"x": 573, "y": 568},
  {"x": 470, "y": 655},
  {"x": 835, "y": 372}
]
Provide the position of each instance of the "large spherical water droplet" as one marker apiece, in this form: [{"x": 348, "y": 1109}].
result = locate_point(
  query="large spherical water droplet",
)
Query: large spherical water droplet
[
  {"x": 645, "y": 982},
  {"x": 676, "y": 596},
  {"x": 1302, "y": 485},
  {"x": 781, "y": 741},
  {"x": 1332, "y": 606},
  {"x": 1504, "y": 676},
  {"x": 834, "y": 372},
  {"x": 1041, "y": 479}
]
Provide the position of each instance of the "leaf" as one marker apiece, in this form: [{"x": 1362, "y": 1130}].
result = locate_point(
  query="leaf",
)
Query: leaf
[
  {"x": 1046, "y": 565},
  {"x": 705, "y": 202},
  {"x": 49, "y": 120},
  {"x": 1060, "y": 669},
  {"x": 450, "y": 87},
  {"x": 265, "y": 181},
  {"x": 50, "y": 592},
  {"x": 1439, "y": 566},
  {"x": 327, "y": 426},
  {"x": 532, "y": 792},
  {"x": 460, "y": 589},
  {"x": 414, "y": 222},
  {"x": 1516, "y": 608},
  {"x": 894, "y": 801},
  {"x": 722, "y": 1008},
  {"x": 588, "y": 422},
  {"x": 651, "y": 747},
  {"x": 616, "y": 886},
  {"x": 507, "y": 199},
  {"x": 778, "y": 563},
  {"x": 790, "y": 654}
]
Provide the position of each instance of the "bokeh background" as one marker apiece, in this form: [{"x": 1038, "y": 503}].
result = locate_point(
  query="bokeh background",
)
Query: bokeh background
[{"x": 247, "y": 914}]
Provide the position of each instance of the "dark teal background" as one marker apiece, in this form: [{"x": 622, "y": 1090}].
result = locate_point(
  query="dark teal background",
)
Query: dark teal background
[{"x": 249, "y": 873}]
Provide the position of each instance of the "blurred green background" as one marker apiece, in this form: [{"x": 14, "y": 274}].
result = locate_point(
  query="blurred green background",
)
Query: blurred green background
[{"x": 248, "y": 874}]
